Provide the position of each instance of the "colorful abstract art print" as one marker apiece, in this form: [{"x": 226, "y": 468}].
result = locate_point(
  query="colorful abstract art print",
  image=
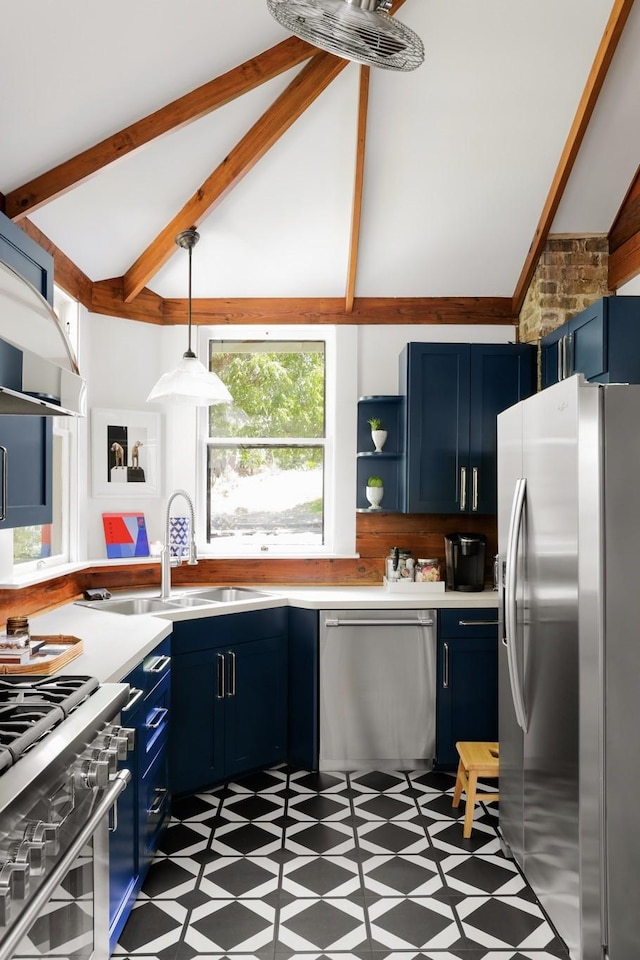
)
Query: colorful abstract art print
[{"x": 125, "y": 535}]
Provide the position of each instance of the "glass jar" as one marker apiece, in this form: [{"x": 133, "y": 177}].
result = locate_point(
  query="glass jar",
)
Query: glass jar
[
  {"x": 427, "y": 570},
  {"x": 17, "y": 634}
]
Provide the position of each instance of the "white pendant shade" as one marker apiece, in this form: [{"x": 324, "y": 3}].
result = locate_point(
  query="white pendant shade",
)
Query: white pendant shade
[{"x": 190, "y": 383}]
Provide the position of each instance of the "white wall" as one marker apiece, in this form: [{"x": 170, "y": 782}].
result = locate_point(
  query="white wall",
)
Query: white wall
[
  {"x": 630, "y": 289},
  {"x": 122, "y": 359}
]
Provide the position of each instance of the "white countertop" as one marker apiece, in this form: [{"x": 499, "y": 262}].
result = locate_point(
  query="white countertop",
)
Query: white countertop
[{"x": 113, "y": 644}]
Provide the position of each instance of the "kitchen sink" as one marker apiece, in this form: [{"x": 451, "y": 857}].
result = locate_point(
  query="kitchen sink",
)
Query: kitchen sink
[
  {"x": 131, "y": 606},
  {"x": 228, "y": 594}
]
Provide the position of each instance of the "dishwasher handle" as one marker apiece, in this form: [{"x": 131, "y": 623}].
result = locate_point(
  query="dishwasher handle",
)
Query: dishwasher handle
[{"x": 373, "y": 622}]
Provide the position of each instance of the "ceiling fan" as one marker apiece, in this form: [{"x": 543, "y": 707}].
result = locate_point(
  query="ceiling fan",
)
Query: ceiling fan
[{"x": 359, "y": 30}]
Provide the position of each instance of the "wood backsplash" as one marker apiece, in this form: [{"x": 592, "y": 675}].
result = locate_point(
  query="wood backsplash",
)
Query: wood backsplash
[{"x": 375, "y": 535}]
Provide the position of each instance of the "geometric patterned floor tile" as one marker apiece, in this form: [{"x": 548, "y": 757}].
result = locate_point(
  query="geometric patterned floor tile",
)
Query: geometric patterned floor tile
[
  {"x": 331, "y": 838},
  {"x": 503, "y": 922},
  {"x": 232, "y": 839},
  {"x": 244, "y": 807},
  {"x": 266, "y": 781},
  {"x": 240, "y": 877},
  {"x": 320, "y": 782},
  {"x": 384, "y": 806},
  {"x": 415, "y": 923},
  {"x": 322, "y": 925},
  {"x": 447, "y": 835},
  {"x": 200, "y": 806},
  {"x": 482, "y": 875},
  {"x": 403, "y": 837},
  {"x": 378, "y": 781},
  {"x": 231, "y": 926},
  {"x": 319, "y": 807},
  {"x": 184, "y": 839},
  {"x": 170, "y": 878},
  {"x": 393, "y": 876},
  {"x": 321, "y": 877},
  {"x": 151, "y": 927},
  {"x": 437, "y": 806},
  {"x": 432, "y": 781}
]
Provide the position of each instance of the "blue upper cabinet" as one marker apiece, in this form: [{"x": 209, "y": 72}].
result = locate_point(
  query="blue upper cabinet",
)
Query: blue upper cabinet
[
  {"x": 454, "y": 393},
  {"x": 26, "y": 257},
  {"x": 602, "y": 342},
  {"x": 26, "y": 471}
]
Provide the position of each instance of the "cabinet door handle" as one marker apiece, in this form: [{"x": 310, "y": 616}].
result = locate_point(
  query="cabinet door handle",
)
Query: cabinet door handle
[
  {"x": 160, "y": 664},
  {"x": 463, "y": 488},
  {"x": 133, "y": 699},
  {"x": 3, "y": 485},
  {"x": 159, "y": 715},
  {"x": 559, "y": 359},
  {"x": 232, "y": 674},
  {"x": 565, "y": 368},
  {"x": 158, "y": 803},
  {"x": 445, "y": 666},
  {"x": 474, "y": 489},
  {"x": 221, "y": 682},
  {"x": 570, "y": 364}
]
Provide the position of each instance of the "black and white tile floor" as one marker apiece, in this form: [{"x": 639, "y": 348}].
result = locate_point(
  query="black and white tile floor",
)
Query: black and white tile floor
[{"x": 359, "y": 866}]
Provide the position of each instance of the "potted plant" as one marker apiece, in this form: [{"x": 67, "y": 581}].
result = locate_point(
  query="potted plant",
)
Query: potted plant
[
  {"x": 378, "y": 434},
  {"x": 374, "y": 492}
]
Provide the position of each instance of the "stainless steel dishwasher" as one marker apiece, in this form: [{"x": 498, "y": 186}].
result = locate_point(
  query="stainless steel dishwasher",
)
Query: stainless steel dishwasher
[{"x": 377, "y": 689}]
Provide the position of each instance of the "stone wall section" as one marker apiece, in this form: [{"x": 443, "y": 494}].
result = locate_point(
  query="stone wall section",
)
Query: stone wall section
[{"x": 571, "y": 274}]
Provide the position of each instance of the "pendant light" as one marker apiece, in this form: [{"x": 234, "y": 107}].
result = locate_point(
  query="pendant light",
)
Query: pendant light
[{"x": 190, "y": 383}]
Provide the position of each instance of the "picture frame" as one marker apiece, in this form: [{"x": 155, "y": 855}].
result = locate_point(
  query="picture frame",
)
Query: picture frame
[{"x": 125, "y": 453}]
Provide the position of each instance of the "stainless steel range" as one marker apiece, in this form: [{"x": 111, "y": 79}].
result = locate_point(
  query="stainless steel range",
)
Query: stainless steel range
[{"x": 59, "y": 784}]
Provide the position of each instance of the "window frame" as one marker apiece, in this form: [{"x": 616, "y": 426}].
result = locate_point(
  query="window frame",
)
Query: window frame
[{"x": 340, "y": 431}]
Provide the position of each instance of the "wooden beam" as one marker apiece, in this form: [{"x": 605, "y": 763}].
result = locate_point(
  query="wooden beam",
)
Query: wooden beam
[
  {"x": 356, "y": 213},
  {"x": 66, "y": 274},
  {"x": 624, "y": 264},
  {"x": 301, "y": 92},
  {"x": 606, "y": 50},
  {"x": 107, "y": 298},
  {"x": 624, "y": 238},
  {"x": 366, "y": 310},
  {"x": 216, "y": 93}
]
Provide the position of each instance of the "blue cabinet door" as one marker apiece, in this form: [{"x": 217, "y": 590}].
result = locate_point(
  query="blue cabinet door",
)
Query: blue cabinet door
[
  {"x": 467, "y": 692},
  {"x": 196, "y": 741},
  {"x": 435, "y": 381},
  {"x": 256, "y": 705},
  {"x": 587, "y": 343},
  {"x": 501, "y": 375},
  {"x": 28, "y": 495},
  {"x": 26, "y": 257},
  {"x": 303, "y": 689}
]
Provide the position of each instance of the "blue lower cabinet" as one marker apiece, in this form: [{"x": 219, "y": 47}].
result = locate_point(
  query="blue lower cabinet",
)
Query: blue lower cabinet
[
  {"x": 467, "y": 692},
  {"x": 304, "y": 733},
  {"x": 230, "y": 692},
  {"x": 144, "y": 807}
]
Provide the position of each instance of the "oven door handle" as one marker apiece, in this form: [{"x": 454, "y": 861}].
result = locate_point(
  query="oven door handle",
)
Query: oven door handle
[{"x": 34, "y": 908}]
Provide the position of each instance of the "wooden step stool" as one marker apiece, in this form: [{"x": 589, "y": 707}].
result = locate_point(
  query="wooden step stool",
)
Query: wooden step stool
[{"x": 477, "y": 759}]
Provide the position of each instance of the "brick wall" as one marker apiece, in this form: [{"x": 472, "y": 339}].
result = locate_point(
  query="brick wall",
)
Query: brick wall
[{"x": 571, "y": 274}]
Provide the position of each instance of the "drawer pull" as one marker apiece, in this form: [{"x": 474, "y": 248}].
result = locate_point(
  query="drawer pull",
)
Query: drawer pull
[
  {"x": 478, "y": 623},
  {"x": 133, "y": 699},
  {"x": 158, "y": 803},
  {"x": 160, "y": 664},
  {"x": 159, "y": 716}
]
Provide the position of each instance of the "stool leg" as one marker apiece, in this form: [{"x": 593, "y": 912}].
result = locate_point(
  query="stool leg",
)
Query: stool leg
[
  {"x": 459, "y": 782},
  {"x": 471, "y": 802}
]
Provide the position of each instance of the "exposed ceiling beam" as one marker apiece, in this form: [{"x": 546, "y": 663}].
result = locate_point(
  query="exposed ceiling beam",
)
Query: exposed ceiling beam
[
  {"x": 205, "y": 99},
  {"x": 301, "y": 92},
  {"x": 369, "y": 310},
  {"x": 624, "y": 238},
  {"x": 606, "y": 50},
  {"x": 356, "y": 213}
]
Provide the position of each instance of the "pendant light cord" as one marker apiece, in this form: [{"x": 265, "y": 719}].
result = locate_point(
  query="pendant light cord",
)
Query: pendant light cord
[{"x": 189, "y": 352}]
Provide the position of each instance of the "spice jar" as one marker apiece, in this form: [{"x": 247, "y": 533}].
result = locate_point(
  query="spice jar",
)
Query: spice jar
[
  {"x": 17, "y": 634},
  {"x": 427, "y": 570}
]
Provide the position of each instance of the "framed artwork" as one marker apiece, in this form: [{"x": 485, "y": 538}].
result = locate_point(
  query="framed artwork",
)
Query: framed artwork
[
  {"x": 125, "y": 535},
  {"x": 125, "y": 453}
]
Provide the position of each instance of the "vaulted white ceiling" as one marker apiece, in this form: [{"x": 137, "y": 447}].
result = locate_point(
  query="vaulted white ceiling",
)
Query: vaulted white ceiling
[{"x": 460, "y": 154}]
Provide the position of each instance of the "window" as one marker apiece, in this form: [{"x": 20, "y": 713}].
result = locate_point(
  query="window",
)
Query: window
[{"x": 273, "y": 482}]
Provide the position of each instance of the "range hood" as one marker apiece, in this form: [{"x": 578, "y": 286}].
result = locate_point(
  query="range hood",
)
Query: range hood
[{"x": 41, "y": 376}]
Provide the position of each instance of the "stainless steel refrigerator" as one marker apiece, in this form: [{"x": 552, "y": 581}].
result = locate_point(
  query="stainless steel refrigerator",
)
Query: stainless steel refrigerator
[{"x": 569, "y": 558}]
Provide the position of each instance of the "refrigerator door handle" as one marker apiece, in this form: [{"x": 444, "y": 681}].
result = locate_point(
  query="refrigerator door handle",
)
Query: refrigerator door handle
[{"x": 510, "y": 611}]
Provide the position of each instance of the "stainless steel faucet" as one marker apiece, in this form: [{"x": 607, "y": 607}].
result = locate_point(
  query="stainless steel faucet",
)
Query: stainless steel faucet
[{"x": 166, "y": 560}]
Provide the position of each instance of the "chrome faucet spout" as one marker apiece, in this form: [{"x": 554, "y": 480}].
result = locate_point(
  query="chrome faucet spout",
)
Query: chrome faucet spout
[{"x": 166, "y": 560}]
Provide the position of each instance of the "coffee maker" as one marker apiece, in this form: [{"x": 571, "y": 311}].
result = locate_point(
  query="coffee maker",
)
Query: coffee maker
[{"x": 464, "y": 555}]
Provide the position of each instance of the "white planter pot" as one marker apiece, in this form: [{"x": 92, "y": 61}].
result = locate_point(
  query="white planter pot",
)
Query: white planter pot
[
  {"x": 374, "y": 495},
  {"x": 379, "y": 438}
]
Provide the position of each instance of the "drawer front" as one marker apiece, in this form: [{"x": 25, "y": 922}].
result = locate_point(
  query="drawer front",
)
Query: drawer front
[
  {"x": 154, "y": 725},
  {"x": 469, "y": 622},
  {"x": 154, "y": 804}
]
